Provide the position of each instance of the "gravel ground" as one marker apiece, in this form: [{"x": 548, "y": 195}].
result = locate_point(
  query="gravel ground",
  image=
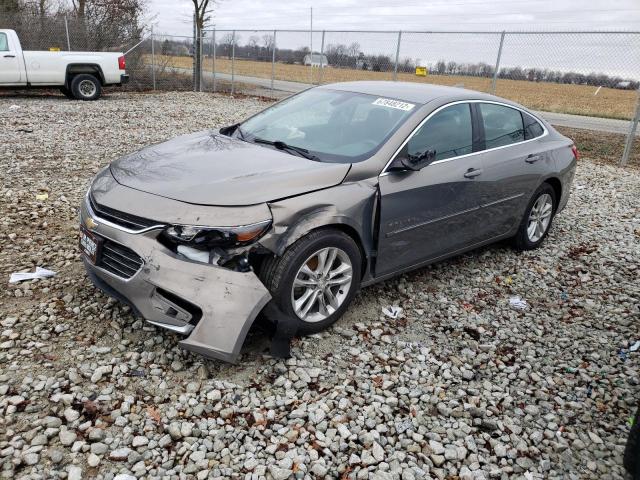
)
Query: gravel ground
[{"x": 460, "y": 386}]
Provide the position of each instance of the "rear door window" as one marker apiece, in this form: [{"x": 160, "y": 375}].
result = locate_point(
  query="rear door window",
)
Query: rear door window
[
  {"x": 502, "y": 125},
  {"x": 448, "y": 133},
  {"x": 4, "y": 44},
  {"x": 532, "y": 127}
]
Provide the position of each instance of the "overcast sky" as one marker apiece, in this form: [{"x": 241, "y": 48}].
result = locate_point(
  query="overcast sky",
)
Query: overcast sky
[
  {"x": 174, "y": 16},
  {"x": 602, "y": 53}
]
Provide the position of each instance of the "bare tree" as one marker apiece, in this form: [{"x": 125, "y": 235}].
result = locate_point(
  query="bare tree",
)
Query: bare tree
[
  {"x": 226, "y": 42},
  {"x": 201, "y": 16},
  {"x": 267, "y": 41}
]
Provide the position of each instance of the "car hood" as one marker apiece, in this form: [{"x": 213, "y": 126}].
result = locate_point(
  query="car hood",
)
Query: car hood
[{"x": 207, "y": 168}]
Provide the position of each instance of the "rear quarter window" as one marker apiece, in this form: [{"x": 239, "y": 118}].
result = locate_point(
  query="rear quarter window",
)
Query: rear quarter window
[
  {"x": 4, "y": 44},
  {"x": 532, "y": 128}
]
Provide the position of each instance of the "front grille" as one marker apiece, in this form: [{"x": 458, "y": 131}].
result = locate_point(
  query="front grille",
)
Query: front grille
[
  {"x": 126, "y": 220},
  {"x": 119, "y": 260}
]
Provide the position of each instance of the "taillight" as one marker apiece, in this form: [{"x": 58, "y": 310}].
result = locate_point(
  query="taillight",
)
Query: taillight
[
  {"x": 576, "y": 153},
  {"x": 122, "y": 64}
]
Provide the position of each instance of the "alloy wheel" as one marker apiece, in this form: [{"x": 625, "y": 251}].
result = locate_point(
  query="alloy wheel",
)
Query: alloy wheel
[
  {"x": 322, "y": 284},
  {"x": 539, "y": 217}
]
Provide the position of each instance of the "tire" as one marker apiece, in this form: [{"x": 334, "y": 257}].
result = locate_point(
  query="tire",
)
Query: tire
[
  {"x": 86, "y": 87},
  {"x": 632, "y": 450},
  {"x": 67, "y": 93},
  {"x": 523, "y": 239},
  {"x": 278, "y": 275}
]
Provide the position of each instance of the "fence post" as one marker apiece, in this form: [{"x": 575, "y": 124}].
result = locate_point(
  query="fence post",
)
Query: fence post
[
  {"x": 153, "y": 60},
  {"x": 200, "y": 60},
  {"x": 495, "y": 72},
  {"x": 213, "y": 62},
  {"x": 631, "y": 136},
  {"x": 193, "y": 55},
  {"x": 233, "y": 60},
  {"x": 321, "y": 59},
  {"x": 66, "y": 28},
  {"x": 273, "y": 60},
  {"x": 395, "y": 67}
]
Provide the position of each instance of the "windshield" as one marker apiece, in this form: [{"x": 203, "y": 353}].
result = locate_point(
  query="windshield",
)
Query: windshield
[{"x": 332, "y": 125}]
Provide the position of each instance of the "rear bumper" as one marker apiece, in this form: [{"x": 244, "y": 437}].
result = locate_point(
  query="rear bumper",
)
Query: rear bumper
[
  {"x": 212, "y": 306},
  {"x": 124, "y": 78}
]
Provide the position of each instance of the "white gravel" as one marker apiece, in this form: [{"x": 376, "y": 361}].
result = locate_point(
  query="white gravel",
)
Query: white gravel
[{"x": 460, "y": 386}]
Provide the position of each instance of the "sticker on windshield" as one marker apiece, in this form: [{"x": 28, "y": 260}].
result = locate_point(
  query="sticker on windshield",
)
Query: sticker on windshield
[{"x": 387, "y": 102}]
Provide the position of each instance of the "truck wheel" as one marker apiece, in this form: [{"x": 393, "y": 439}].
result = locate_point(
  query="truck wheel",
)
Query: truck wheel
[
  {"x": 67, "y": 93},
  {"x": 86, "y": 87}
]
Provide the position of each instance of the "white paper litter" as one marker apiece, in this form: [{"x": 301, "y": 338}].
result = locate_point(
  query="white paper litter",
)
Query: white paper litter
[
  {"x": 392, "y": 311},
  {"x": 39, "y": 273},
  {"x": 14, "y": 107},
  {"x": 518, "y": 303},
  {"x": 635, "y": 346}
]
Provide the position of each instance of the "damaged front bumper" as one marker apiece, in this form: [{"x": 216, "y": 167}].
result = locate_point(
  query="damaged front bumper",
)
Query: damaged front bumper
[{"x": 212, "y": 306}]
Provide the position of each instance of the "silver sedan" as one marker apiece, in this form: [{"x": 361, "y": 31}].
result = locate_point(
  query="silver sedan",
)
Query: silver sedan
[{"x": 293, "y": 210}]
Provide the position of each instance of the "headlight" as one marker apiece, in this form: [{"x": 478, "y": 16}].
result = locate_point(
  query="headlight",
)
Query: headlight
[{"x": 211, "y": 237}]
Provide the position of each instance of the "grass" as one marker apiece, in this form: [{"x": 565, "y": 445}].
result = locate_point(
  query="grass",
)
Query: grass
[
  {"x": 602, "y": 147},
  {"x": 550, "y": 97}
]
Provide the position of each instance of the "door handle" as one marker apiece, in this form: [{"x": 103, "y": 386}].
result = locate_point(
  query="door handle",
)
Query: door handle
[
  {"x": 532, "y": 158},
  {"x": 472, "y": 172},
  {"x": 9, "y": 56}
]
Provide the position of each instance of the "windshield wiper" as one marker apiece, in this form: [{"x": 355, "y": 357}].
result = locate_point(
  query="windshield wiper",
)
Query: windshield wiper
[{"x": 303, "y": 152}]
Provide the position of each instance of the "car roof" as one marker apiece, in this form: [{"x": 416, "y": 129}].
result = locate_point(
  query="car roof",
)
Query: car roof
[{"x": 412, "y": 91}]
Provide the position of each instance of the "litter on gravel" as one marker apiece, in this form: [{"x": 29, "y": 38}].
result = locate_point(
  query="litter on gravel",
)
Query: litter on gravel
[
  {"x": 518, "y": 303},
  {"x": 392, "y": 311},
  {"x": 39, "y": 273}
]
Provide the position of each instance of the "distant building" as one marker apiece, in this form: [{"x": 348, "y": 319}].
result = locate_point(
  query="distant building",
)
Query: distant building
[
  {"x": 315, "y": 60},
  {"x": 362, "y": 64},
  {"x": 624, "y": 85}
]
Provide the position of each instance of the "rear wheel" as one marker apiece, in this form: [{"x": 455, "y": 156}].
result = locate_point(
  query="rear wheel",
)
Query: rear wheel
[
  {"x": 86, "y": 87},
  {"x": 315, "y": 280},
  {"x": 537, "y": 219}
]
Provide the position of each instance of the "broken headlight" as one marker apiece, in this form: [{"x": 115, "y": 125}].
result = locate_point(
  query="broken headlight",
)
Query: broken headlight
[{"x": 206, "y": 238}]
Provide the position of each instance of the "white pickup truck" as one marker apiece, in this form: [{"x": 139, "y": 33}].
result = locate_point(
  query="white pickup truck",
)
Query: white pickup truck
[{"x": 79, "y": 75}]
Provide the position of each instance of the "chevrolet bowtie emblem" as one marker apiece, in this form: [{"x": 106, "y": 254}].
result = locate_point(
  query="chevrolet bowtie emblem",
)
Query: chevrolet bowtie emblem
[{"x": 90, "y": 223}]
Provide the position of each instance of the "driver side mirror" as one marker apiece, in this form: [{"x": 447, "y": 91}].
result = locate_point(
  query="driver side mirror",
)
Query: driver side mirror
[{"x": 418, "y": 161}]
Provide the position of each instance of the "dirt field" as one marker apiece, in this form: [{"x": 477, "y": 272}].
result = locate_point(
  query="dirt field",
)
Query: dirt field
[{"x": 550, "y": 97}]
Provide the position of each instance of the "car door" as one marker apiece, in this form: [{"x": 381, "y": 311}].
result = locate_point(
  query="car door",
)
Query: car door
[
  {"x": 429, "y": 213},
  {"x": 9, "y": 58},
  {"x": 514, "y": 162}
]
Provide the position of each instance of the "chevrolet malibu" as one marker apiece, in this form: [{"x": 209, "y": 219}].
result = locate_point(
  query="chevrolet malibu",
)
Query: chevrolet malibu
[{"x": 328, "y": 191}]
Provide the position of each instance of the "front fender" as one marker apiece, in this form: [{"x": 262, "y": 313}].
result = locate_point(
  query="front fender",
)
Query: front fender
[{"x": 349, "y": 204}]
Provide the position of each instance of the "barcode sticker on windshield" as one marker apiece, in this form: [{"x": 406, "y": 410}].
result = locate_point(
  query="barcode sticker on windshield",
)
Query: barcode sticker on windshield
[{"x": 387, "y": 102}]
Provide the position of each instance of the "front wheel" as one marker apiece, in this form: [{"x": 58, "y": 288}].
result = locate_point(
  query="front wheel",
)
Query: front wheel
[
  {"x": 315, "y": 280},
  {"x": 537, "y": 219},
  {"x": 86, "y": 87}
]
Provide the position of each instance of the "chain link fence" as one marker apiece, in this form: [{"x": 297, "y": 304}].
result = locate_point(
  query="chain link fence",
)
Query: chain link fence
[{"x": 592, "y": 74}]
